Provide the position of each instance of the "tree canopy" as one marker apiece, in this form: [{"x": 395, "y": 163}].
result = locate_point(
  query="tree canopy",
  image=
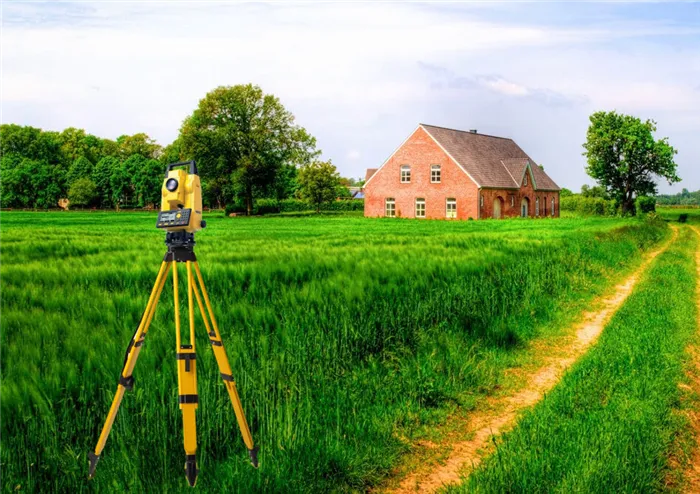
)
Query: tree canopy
[
  {"x": 241, "y": 138},
  {"x": 318, "y": 182},
  {"x": 625, "y": 159}
]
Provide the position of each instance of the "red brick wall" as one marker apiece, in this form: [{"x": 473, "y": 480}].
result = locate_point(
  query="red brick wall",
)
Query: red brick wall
[
  {"x": 420, "y": 151},
  {"x": 516, "y": 197}
]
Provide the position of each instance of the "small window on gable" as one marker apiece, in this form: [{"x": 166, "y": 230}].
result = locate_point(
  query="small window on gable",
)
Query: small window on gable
[
  {"x": 435, "y": 175},
  {"x": 389, "y": 207},
  {"x": 405, "y": 174},
  {"x": 451, "y": 208},
  {"x": 525, "y": 179},
  {"x": 420, "y": 208}
]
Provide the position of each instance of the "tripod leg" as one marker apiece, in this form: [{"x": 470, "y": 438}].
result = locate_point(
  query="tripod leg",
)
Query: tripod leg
[
  {"x": 126, "y": 381},
  {"x": 187, "y": 381},
  {"x": 224, "y": 366}
]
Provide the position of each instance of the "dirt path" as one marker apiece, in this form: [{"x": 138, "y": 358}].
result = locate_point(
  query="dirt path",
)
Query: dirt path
[
  {"x": 692, "y": 473},
  {"x": 502, "y": 412}
]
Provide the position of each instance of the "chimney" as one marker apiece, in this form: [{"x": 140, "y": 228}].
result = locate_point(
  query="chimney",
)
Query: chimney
[{"x": 472, "y": 131}]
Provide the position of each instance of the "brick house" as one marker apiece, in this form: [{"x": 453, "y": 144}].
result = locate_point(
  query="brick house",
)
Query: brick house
[{"x": 446, "y": 173}]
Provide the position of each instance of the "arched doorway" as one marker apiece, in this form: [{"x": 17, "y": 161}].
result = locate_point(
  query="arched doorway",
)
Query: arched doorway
[
  {"x": 497, "y": 207},
  {"x": 525, "y": 207}
]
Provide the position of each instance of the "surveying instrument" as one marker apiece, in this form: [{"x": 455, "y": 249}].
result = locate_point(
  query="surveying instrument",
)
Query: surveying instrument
[{"x": 180, "y": 215}]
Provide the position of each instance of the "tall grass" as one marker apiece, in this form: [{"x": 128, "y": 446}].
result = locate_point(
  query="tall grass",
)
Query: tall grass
[
  {"x": 345, "y": 335},
  {"x": 610, "y": 425}
]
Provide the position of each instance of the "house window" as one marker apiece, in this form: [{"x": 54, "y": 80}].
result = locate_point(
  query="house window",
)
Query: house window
[
  {"x": 552, "y": 209},
  {"x": 389, "y": 207},
  {"x": 405, "y": 174},
  {"x": 544, "y": 206},
  {"x": 435, "y": 174},
  {"x": 525, "y": 179},
  {"x": 512, "y": 200},
  {"x": 451, "y": 209},
  {"x": 420, "y": 208},
  {"x": 537, "y": 206},
  {"x": 482, "y": 200}
]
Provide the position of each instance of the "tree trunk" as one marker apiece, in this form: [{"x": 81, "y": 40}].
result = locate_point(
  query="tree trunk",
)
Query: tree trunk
[{"x": 249, "y": 201}]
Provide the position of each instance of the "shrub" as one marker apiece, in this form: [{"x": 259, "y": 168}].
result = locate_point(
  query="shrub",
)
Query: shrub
[
  {"x": 682, "y": 218},
  {"x": 234, "y": 207},
  {"x": 645, "y": 204},
  {"x": 588, "y": 206}
]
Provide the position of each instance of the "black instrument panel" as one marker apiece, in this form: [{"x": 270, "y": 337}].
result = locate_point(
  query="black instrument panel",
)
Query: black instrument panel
[{"x": 177, "y": 217}]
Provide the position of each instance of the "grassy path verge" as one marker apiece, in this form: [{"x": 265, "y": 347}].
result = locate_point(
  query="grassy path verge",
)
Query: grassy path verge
[
  {"x": 502, "y": 412},
  {"x": 612, "y": 423}
]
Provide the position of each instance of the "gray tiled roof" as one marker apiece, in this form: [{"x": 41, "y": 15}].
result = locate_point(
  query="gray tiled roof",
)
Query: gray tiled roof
[{"x": 491, "y": 161}]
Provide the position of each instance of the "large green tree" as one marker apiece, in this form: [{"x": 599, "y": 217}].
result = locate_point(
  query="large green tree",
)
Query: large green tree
[
  {"x": 138, "y": 144},
  {"x": 81, "y": 168},
  {"x": 241, "y": 138},
  {"x": 318, "y": 182},
  {"x": 624, "y": 157},
  {"x": 101, "y": 176}
]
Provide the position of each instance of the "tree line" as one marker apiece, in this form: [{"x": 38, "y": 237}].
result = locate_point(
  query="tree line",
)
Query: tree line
[{"x": 246, "y": 144}]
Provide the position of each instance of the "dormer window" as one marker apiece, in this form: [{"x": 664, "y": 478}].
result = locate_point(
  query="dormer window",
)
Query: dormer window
[{"x": 405, "y": 174}]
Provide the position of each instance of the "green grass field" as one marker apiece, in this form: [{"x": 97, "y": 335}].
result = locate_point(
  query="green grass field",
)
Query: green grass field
[
  {"x": 348, "y": 337},
  {"x": 612, "y": 424}
]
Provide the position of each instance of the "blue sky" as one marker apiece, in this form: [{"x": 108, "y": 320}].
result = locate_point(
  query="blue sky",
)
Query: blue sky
[{"x": 361, "y": 76}]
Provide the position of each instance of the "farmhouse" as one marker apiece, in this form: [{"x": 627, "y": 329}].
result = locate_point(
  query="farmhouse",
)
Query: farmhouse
[{"x": 447, "y": 173}]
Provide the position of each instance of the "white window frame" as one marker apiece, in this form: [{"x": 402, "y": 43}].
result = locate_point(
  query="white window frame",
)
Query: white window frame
[
  {"x": 525, "y": 179},
  {"x": 433, "y": 174},
  {"x": 552, "y": 206},
  {"x": 537, "y": 206},
  {"x": 450, "y": 208},
  {"x": 420, "y": 202},
  {"x": 512, "y": 200},
  {"x": 481, "y": 200},
  {"x": 390, "y": 201},
  {"x": 405, "y": 174}
]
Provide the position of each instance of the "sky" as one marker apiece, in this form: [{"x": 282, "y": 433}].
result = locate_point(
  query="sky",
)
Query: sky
[{"x": 361, "y": 76}]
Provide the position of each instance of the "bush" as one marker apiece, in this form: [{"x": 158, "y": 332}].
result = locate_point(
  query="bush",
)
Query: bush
[
  {"x": 682, "y": 218},
  {"x": 274, "y": 206},
  {"x": 645, "y": 204},
  {"x": 588, "y": 206}
]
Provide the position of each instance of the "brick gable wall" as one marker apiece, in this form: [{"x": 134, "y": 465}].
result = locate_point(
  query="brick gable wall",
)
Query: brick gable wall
[
  {"x": 420, "y": 151},
  {"x": 516, "y": 197}
]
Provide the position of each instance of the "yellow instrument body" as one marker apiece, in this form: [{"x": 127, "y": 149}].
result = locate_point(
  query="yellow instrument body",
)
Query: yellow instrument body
[{"x": 188, "y": 195}]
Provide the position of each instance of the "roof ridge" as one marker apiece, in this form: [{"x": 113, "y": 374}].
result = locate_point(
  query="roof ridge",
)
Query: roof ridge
[{"x": 465, "y": 131}]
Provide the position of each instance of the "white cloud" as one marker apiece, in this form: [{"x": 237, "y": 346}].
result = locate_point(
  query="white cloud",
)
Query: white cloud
[{"x": 351, "y": 73}]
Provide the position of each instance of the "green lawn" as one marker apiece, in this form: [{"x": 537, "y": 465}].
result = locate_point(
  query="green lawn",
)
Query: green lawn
[{"x": 347, "y": 337}]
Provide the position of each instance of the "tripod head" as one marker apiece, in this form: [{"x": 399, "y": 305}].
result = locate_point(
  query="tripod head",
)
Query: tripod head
[{"x": 181, "y": 204}]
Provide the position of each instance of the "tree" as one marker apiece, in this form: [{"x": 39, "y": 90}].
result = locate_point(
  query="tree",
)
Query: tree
[
  {"x": 241, "y": 138},
  {"x": 101, "y": 176},
  {"x": 81, "y": 168},
  {"x": 29, "y": 183},
  {"x": 120, "y": 184},
  {"x": 138, "y": 144},
  {"x": 624, "y": 157},
  {"x": 318, "y": 182},
  {"x": 82, "y": 192},
  {"x": 595, "y": 191},
  {"x": 148, "y": 182},
  {"x": 564, "y": 192}
]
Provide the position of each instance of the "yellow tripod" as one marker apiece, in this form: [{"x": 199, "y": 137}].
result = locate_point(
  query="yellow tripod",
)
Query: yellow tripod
[{"x": 180, "y": 250}]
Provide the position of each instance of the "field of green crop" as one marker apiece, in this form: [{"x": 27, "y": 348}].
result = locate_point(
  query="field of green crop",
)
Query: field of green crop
[
  {"x": 612, "y": 424},
  {"x": 347, "y": 336}
]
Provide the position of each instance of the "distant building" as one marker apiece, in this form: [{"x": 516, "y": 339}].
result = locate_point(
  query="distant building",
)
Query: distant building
[{"x": 446, "y": 173}]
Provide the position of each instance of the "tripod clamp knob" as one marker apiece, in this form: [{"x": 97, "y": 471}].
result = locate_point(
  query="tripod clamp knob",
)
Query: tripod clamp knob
[{"x": 127, "y": 382}]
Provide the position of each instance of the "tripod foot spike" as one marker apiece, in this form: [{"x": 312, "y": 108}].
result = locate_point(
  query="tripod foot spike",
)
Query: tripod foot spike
[
  {"x": 93, "y": 463},
  {"x": 253, "y": 453},
  {"x": 191, "y": 470}
]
